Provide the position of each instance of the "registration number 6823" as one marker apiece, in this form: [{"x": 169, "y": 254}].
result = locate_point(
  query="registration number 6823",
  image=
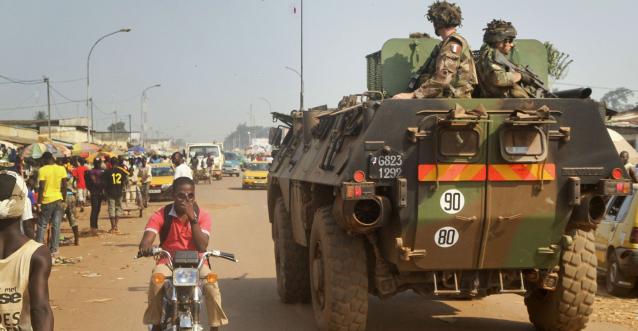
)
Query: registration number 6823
[{"x": 386, "y": 165}]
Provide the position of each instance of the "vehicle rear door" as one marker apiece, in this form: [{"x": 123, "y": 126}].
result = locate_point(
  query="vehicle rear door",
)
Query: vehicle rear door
[
  {"x": 451, "y": 190},
  {"x": 520, "y": 229}
]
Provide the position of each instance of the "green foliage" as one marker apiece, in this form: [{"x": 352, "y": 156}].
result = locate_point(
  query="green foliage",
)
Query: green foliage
[
  {"x": 558, "y": 61},
  {"x": 41, "y": 115},
  {"x": 117, "y": 127},
  {"x": 618, "y": 99}
]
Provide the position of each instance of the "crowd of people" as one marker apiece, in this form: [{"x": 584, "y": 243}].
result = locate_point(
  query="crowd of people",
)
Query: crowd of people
[
  {"x": 59, "y": 188},
  {"x": 33, "y": 205}
]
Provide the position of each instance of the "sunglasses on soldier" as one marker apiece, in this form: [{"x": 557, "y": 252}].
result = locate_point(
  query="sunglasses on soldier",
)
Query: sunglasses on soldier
[{"x": 508, "y": 41}]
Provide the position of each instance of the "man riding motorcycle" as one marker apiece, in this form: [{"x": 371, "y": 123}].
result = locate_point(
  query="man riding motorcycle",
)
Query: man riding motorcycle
[{"x": 181, "y": 226}]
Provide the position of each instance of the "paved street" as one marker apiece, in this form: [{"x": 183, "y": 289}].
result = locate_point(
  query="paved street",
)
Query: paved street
[{"x": 107, "y": 289}]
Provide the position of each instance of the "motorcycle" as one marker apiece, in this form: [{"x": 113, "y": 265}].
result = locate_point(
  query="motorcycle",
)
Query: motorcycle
[{"x": 183, "y": 291}]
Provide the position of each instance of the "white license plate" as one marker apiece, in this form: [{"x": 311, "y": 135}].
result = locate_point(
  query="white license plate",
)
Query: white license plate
[{"x": 154, "y": 191}]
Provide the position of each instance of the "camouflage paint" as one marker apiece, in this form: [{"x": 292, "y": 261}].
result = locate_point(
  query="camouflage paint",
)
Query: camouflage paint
[{"x": 512, "y": 244}]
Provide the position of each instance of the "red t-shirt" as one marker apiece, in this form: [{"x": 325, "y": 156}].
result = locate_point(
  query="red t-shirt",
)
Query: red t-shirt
[
  {"x": 78, "y": 173},
  {"x": 180, "y": 236}
]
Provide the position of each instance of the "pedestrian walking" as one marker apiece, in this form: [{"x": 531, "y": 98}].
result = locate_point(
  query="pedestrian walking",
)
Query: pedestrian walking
[
  {"x": 95, "y": 185},
  {"x": 80, "y": 180},
  {"x": 146, "y": 176},
  {"x": 181, "y": 169},
  {"x": 52, "y": 182},
  {"x": 114, "y": 180}
]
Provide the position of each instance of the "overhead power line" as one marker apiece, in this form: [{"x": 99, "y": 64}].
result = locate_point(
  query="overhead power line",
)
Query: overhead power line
[
  {"x": 64, "y": 96},
  {"x": 37, "y": 81},
  {"x": 37, "y": 106},
  {"x": 22, "y": 81}
]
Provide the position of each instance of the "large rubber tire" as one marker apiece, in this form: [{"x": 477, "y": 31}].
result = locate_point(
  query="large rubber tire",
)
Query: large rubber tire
[
  {"x": 291, "y": 259},
  {"x": 569, "y": 306},
  {"x": 339, "y": 281},
  {"x": 611, "y": 277}
]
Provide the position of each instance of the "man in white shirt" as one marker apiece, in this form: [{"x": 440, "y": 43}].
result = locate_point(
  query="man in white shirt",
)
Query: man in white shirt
[{"x": 181, "y": 169}]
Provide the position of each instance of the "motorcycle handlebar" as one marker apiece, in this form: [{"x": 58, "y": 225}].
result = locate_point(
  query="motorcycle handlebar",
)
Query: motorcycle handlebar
[{"x": 156, "y": 251}]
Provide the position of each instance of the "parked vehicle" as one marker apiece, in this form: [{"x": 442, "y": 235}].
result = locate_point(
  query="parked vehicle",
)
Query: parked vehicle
[
  {"x": 183, "y": 291},
  {"x": 617, "y": 245},
  {"x": 160, "y": 187}
]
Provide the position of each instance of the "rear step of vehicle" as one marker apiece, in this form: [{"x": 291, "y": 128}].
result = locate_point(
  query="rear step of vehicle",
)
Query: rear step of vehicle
[
  {"x": 456, "y": 290},
  {"x": 440, "y": 292},
  {"x": 519, "y": 290}
]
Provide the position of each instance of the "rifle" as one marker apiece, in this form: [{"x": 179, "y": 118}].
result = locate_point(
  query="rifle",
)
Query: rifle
[{"x": 535, "y": 81}]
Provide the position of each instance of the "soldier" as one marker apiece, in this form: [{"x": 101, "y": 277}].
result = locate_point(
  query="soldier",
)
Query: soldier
[
  {"x": 494, "y": 79},
  {"x": 449, "y": 72}
]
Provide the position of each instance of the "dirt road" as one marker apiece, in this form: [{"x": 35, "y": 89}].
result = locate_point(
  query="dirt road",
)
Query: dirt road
[{"x": 106, "y": 290}]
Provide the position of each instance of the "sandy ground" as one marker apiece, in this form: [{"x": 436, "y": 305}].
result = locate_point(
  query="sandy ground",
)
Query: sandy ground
[{"x": 106, "y": 290}]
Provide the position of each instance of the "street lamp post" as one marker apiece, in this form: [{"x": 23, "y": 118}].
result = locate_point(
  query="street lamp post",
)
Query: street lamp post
[
  {"x": 301, "y": 89},
  {"x": 268, "y": 102},
  {"x": 88, "y": 60},
  {"x": 143, "y": 113}
]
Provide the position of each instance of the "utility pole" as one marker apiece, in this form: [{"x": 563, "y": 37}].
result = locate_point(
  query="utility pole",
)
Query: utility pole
[
  {"x": 301, "y": 51},
  {"x": 46, "y": 80},
  {"x": 113, "y": 126}
]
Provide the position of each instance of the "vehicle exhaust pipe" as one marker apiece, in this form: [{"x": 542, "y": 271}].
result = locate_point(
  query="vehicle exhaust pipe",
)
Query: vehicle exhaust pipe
[
  {"x": 362, "y": 215},
  {"x": 590, "y": 211}
]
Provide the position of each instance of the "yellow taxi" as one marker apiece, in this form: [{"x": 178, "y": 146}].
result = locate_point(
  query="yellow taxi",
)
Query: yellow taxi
[
  {"x": 617, "y": 245},
  {"x": 255, "y": 175},
  {"x": 160, "y": 188}
]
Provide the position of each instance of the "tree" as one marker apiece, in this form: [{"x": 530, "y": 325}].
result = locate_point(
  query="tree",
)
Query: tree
[
  {"x": 40, "y": 115},
  {"x": 117, "y": 127},
  {"x": 558, "y": 62},
  {"x": 618, "y": 99}
]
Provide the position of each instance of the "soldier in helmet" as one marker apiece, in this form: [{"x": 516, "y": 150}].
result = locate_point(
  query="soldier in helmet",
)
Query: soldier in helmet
[
  {"x": 494, "y": 79},
  {"x": 449, "y": 72}
]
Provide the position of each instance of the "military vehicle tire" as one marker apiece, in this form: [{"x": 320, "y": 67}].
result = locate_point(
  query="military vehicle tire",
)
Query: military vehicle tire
[
  {"x": 569, "y": 306},
  {"x": 338, "y": 276},
  {"x": 611, "y": 277},
  {"x": 291, "y": 259}
]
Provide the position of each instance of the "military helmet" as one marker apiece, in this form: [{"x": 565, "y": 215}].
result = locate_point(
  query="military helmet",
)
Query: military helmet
[
  {"x": 497, "y": 31},
  {"x": 444, "y": 14}
]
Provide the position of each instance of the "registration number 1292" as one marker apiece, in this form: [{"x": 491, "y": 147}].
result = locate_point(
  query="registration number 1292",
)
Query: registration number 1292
[{"x": 386, "y": 166}]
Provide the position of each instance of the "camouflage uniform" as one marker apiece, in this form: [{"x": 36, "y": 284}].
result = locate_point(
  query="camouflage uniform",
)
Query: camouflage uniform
[
  {"x": 495, "y": 81},
  {"x": 450, "y": 72}
]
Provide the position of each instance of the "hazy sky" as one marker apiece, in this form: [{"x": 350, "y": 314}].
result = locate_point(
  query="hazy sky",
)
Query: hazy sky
[{"x": 214, "y": 58}]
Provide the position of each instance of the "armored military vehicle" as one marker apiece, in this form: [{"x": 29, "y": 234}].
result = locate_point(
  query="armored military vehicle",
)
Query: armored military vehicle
[{"x": 453, "y": 197}]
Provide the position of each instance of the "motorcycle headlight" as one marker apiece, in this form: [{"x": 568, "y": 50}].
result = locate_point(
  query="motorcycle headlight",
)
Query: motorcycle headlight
[{"x": 185, "y": 277}]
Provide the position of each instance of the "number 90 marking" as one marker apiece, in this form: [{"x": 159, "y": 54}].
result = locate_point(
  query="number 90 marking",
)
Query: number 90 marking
[{"x": 452, "y": 201}]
